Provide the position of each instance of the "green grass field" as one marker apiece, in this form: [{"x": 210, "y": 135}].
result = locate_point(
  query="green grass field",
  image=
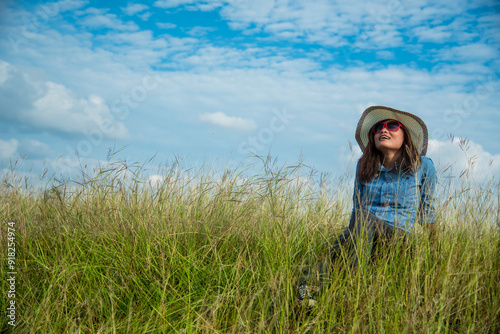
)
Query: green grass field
[{"x": 204, "y": 252}]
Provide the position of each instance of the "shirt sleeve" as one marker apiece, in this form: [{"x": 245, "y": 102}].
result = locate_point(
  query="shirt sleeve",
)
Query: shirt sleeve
[
  {"x": 427, "y": 192},
  {"x": 358, "y": 190}
]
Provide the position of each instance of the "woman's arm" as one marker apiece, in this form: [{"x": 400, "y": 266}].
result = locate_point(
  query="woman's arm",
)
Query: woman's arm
[
  {"x": 356, "y": 196},
  {"x": 427, "y": 194}
]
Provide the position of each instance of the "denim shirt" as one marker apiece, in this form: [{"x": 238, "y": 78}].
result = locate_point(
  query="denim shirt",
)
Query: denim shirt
[{"x": 399, "y": 198}]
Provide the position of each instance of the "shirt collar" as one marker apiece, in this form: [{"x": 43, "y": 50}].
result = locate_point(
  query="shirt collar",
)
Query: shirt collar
[{"x": 382, "y": 168}]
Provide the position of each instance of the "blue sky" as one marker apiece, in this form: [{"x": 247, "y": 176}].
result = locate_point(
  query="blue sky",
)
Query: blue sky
[{"x": 225, "y": 79}]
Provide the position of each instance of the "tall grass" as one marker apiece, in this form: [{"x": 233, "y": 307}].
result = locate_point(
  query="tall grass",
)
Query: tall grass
[{"x": 204, "y": 251}]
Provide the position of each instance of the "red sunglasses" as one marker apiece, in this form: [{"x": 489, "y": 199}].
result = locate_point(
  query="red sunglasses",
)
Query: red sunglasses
[{"x": 392, "y": 126}]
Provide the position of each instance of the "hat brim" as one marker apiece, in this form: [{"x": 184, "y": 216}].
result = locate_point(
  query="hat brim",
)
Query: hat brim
[{"x": 411, "y": 123}]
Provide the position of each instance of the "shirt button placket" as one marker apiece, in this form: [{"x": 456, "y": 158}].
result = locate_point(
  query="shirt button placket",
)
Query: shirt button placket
[{"x": 385, "y": 190}]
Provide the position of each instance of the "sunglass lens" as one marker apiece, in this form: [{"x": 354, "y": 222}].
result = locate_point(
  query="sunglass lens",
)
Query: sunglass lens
[
  {"x": 379, "y": 127},
  {"x": 392, "y": 126}
]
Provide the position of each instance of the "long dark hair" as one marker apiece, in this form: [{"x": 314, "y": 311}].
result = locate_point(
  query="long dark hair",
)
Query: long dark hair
[{"x": 408, "y": 162}]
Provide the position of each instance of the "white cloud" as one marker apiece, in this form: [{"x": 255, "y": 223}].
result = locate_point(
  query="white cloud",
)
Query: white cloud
[
  {"x": 222, "y": 120},
  {"x": 33, "y": 148},
  {"x": 142, "y": 40},
  {"x": 349, "y": 156},
  {"x": 268, "y": 58},
  {"x": 30, "y": 148},
  {"x": 92, "y": 11},
  {"x": 435, "y": 35},
  {"x": 166, "y": 25},
  {"x": 200, "y": 31},
  {"x": 145, "y": 16},
  {"x": 172, "y": 3},
  {"x": 219, "y": 56},
  {"x": 5, "y": 69},
  {"x": 68, "y": 5},
  {"x": 60, "y": 109},
  {"x": 386, "y": 55},
  {"x": 48, "y": 105},
  {"x": 242, "y": 14},
  {"x": 203, "y": 5},
  {"x": 110, "y": 21},
  {"x": 464, "y": 157},
  {"x": 155, "y": 180},
  {"x": 280, "y": 27},
  {"x": 134, "y": 8},
  {"x": 206, "y": 6},
  {"x": 8, "y": 148},
  {"x": 471, "y": 52}
]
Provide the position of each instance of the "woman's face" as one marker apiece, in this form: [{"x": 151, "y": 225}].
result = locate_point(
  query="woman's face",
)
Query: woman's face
[{"x": 387, "y": 141}]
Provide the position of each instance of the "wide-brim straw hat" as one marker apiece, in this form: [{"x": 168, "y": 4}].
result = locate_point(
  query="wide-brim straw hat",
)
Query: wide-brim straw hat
[{"x": 411, "y": 123}]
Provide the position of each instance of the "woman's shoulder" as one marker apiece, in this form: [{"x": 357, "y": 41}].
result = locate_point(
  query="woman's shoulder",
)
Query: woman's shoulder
[
  {"x": 428, "y": 165},
  {"x": 426, "y": 161}
]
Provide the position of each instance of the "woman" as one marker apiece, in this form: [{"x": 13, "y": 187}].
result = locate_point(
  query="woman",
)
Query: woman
[{"x": 394, "y": 188}]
